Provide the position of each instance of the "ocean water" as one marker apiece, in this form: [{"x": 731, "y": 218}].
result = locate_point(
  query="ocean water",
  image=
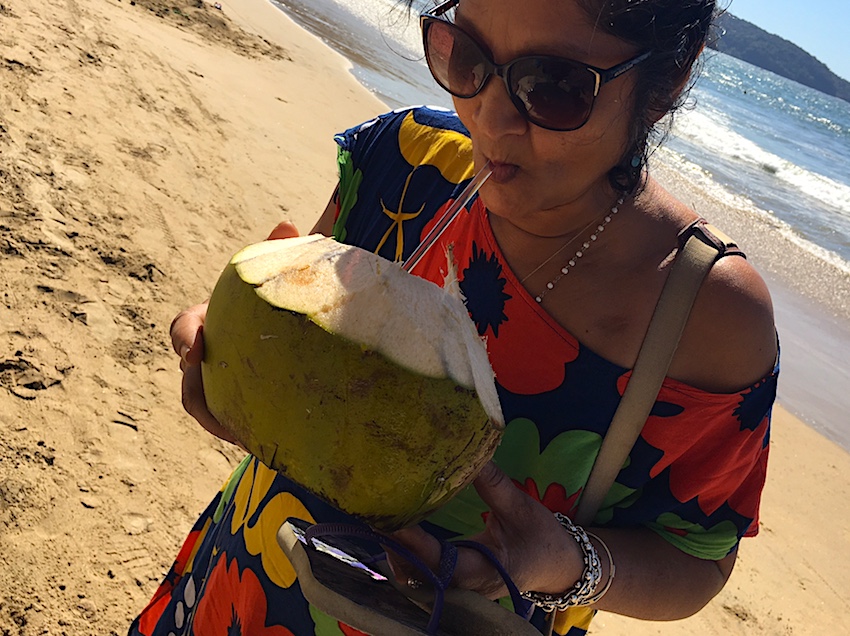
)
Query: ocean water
[
  {"x": 773, "y": 151},
  {"x": 782, "y": 145}
]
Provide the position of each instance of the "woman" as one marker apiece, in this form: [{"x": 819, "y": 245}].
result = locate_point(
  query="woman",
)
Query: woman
[{"x": 561, "y": 259}]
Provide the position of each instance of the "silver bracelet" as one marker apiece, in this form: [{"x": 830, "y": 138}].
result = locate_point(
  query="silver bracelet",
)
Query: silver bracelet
[
  {"x": 585, "y": 588},
  {"x": 612, "y": 569}
]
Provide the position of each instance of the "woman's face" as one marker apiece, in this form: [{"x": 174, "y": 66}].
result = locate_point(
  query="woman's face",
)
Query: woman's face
[{"x": 538, "y": 171}]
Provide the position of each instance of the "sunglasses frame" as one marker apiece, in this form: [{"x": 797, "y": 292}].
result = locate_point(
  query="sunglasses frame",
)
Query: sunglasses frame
[{"x": 601, "y": 75}]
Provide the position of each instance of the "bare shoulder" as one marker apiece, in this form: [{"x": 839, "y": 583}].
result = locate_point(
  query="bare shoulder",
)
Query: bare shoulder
[{"x": 730, "y": 340}]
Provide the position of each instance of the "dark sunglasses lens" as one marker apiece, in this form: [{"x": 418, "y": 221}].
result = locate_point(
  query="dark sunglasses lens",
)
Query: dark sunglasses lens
[
  {"x": 556, "y": 94},
  {"x": 551, "y": 92},
  {"x": 455, "y": 60}
]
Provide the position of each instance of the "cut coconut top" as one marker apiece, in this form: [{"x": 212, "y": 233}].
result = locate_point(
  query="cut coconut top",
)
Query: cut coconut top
[{"x": 369, "y": 300}]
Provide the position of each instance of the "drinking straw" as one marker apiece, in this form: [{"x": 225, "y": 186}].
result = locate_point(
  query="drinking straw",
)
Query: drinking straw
[{"x": 448, "y": 216}]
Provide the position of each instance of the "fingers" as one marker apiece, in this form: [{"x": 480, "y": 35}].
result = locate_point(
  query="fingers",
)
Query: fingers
[
  {"x": 187, "y": 334},
  {"x": 284, "y": 229},
  {"x": 187, "y": 338},
  {"x": 524, "y": 535},
  {"x": 424, "y": 545},
  {"x": 473, "y": 571},
  {"x": 510, "y": 506},
  {"x": 196, "y": 404},
  {"x": 497, "y": 490}
]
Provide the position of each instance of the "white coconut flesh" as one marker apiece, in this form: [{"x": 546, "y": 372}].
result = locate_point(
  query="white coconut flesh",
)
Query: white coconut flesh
[{"x": 366, "y": 299}]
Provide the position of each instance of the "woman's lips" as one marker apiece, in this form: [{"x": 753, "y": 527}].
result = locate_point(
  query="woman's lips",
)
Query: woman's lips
[{"x": 503, "y": 172}]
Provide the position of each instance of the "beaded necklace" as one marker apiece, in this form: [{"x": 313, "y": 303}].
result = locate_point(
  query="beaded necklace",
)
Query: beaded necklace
[{"x": 579, "y": 253}]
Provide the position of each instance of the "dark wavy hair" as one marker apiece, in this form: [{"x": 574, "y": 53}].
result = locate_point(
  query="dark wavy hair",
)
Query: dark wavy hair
[{"x": 676, "y": 31}]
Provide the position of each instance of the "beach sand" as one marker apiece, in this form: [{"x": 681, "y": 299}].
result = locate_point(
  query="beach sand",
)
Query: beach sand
[{"x": 141, "y": 144}]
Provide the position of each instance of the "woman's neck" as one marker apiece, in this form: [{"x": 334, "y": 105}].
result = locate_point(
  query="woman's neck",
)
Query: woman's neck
[{"x": 539, "y": 245}]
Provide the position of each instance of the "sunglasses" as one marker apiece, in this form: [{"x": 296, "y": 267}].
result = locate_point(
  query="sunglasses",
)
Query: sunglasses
[{"x": 551, "y": 92}]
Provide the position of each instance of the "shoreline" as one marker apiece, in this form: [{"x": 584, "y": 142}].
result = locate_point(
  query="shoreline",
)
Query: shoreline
[{"x": 140, "y": 147}]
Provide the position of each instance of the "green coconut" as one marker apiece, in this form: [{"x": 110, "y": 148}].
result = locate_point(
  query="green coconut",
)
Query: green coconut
[{"x": 366, "y": 385}]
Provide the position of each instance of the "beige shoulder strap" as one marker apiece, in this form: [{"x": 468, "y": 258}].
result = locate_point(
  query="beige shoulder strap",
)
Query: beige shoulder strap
[{"x": 700, "y": 245}]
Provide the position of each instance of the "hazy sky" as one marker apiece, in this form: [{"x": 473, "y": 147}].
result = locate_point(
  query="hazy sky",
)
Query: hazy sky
[{"x": 820, "y": 27}]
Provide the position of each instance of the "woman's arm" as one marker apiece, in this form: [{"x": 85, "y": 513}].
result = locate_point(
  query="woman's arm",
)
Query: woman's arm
[
  {"x": 325, "y": 224},
  {"x": 655, "y": 580}
]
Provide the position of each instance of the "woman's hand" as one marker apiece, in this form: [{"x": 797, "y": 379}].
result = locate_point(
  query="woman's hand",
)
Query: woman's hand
[
  {"x": 187, "y": 338},
  {"x": 655, "y": 579},
  {"x": 522, "y": 533}
]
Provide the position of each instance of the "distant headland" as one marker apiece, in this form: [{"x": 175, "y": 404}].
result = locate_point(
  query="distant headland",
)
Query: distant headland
[{"x": 746, "y": 41}]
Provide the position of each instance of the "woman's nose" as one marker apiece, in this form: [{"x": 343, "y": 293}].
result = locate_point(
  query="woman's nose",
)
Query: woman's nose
[{"x": 496, "y": 114}]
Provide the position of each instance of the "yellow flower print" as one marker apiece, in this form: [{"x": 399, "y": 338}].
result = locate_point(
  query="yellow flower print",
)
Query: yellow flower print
[
  {"x": 260, "y": 530},
  {"x": 397, "y": 219},
  {"x": 448, "y": 151}
]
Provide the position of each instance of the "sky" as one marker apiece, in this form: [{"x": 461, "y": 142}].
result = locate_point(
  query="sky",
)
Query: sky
[{"x": 820, "y": 27}]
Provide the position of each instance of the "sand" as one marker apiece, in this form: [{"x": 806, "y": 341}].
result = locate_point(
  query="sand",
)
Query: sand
[{"x": 141, "y": 144}]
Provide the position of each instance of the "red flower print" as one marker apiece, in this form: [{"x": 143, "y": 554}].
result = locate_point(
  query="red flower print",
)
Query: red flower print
[
  {"x": 502, "y": 312},
  {"x": 555, "y": 498},
  {"x": 712, "y": 458},
  {"x": 152, "y": 613},
  {"x": 234, "y": 605},
  {"x": 350, "y": 631}
]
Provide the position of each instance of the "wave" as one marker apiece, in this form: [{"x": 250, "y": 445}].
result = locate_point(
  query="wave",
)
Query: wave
[
  {"x": 712, "y": 133},
  {"x": 702, "y": 180}
]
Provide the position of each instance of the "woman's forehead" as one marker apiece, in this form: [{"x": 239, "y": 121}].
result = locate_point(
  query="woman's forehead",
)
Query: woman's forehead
[{"x": 540, "y": 27}]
